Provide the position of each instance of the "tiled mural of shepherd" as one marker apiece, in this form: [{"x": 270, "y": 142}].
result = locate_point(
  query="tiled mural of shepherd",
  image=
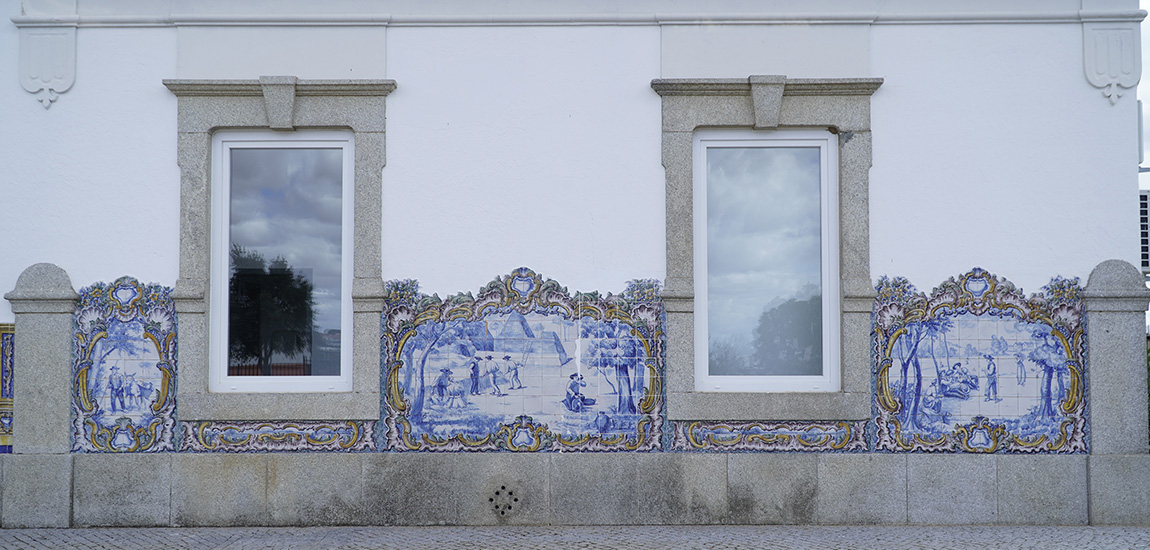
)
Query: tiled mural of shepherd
[
  {"x": 124, "y": 370},
  {"x": 977, "y": 366},
  {"x": 523, "y": 366}
]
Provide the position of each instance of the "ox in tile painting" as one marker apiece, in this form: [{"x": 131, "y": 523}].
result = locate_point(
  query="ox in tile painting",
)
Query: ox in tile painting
[
  {"x": 525, "y": 366},
  {"x": 977, "y": 366}
]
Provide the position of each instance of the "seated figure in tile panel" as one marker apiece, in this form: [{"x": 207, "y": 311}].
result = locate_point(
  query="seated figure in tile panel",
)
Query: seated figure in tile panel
[
  {"x": 944, "y": 362},
  {"x": 123, "y": 395},
  {"x": 525, "y": 366}
]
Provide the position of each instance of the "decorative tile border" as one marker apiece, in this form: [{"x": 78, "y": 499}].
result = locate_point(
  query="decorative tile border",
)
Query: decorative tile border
[
  {"x": 770, "y": 436},
  {"x": 256, "y": 436},
  {"x": 7, "y": 337},
  {"x": 124, "y": 369},
  {"x": 978, "y": 367},
  {"x": 525, "y": 366}
]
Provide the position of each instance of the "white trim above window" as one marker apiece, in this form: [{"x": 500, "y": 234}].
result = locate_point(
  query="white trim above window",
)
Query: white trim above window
[
  {"x": 263, "y": 177},
  {"x": 769, "y": 202}
]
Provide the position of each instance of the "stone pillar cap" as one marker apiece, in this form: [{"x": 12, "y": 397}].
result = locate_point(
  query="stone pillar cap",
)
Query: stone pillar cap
[{"x": 43, "y": 288}]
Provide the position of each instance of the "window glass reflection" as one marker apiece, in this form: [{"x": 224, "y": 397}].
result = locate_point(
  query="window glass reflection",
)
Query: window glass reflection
[
  {"x": 764, "y": 295},
  {"x": 285, "y": 232}
]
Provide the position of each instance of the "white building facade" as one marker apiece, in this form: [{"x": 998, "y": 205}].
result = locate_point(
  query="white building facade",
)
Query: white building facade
[{"x": 574, "y": 263}]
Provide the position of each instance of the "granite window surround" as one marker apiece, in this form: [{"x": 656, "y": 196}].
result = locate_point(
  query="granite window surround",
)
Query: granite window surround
[
  {"x": 282, "y": 103},
  {"x": 769, "y": 102}
]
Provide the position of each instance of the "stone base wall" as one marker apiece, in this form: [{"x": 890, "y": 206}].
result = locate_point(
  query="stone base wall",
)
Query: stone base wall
[{"x": 273, "y": 489}]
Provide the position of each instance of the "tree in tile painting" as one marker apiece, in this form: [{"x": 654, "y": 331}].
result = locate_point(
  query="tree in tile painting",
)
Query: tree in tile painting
[
  {"x": 430, "y": 339},
  {"x": 614, "y": 351},
  {"x": 984, "y": 340}
]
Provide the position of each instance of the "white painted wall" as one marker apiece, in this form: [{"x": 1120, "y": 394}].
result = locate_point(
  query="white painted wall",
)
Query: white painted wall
[
  {"x": 91, "y": 184},
  {"x": 992, "y": 150},
  {"x": 523, "y": 146},
  {"x": 539, "y": 145}
]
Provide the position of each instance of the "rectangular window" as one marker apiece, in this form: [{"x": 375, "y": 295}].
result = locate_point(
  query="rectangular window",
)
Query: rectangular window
[
  {"x": 766, "y": 260},
  {"x": 281, "y": 277}
]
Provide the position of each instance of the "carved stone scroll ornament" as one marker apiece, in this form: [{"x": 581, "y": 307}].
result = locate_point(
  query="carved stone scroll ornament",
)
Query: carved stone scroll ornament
[
  {"x": 47, "y": 61},
  {"x": 1112, "y": 57}
]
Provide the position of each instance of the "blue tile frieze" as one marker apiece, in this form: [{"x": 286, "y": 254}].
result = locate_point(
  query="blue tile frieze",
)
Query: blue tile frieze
[
  {"x": 7, "y": 337},
  {"x": 260, "y": 436},
  {"x": 770, "y": 436},
  {"x": 976, "y": 366},
  {"x": 525, "y": 366}
]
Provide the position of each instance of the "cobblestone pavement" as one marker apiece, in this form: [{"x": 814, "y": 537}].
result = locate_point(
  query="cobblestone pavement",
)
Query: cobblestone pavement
[{"x": 653, "y": 537}]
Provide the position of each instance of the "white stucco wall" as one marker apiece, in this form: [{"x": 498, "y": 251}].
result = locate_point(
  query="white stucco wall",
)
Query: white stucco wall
[
  {"x": 539, "y": 145},
  {"x": 992, "y": 150},
  {"x": 91, "y": 184},
  {"x": 534, "y": 147}
]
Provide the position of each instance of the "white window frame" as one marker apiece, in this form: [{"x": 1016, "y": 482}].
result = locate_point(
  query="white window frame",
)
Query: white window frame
[
  {"x": 827, "y": 143},
  {"x": 222, "y": 144}
]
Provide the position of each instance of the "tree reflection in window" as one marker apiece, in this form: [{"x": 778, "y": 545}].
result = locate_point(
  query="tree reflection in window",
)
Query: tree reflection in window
[{"x": 271, "y": 316}]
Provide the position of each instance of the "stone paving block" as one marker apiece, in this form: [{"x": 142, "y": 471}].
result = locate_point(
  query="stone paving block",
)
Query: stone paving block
[
  {"x": 37, "y": 491},
  {"x": 315, "y": 489},
  {"x": 626, "y": 537},
  {"x": 122, "y": 490},
  {"x": 1119, "y": 490},
  {"x": 681, "y": 488},
  {"x": 210, "y": 489},
  {"x": 1042, "y": 490},
  {"x": 411, "y": 488},
  {"x": 956, "y": 489},
  {"x": 772, "y": 488},
  {"x": 595, "y": 489},
  {"x": 862, "y": 489},
  {"x": 503, "y": 488}
]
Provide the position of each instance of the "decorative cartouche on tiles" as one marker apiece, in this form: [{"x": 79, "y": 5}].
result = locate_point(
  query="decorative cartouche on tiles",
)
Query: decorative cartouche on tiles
[
  {"x": 7, "y": 336},
  {"x": 256, "y": 436},
  {"x": 124, "y": 368},
  {"x": 978, "y": 367},
  {"x": 523, "y": 366},
  {"x": 770, "y": 436}
]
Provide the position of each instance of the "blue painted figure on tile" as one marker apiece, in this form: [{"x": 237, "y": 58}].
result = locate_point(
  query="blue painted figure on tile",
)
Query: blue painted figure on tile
[
  {"x": 116, "y": 389},
  {"x": 442, "y": 382},
  {"x": 124, "y": 368},
  {"x": 540, "y": 363},
  {"x": 603, "y": 422},
  {"x": 513, "y": 366},
  {"x": 575, "y": 401},
  {"x": 474, "y": 364},
  {"x": 491, "y": 368},
  {"x": 931, "y": 352},
  {"x": 991, "y": 378}
]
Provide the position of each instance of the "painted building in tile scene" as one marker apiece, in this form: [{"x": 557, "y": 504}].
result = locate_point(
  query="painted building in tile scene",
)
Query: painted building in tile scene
[{"x": 653, "y": 262}]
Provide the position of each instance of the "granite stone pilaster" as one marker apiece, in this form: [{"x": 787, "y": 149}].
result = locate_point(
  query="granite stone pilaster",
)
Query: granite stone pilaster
[
  {"x": 43, "y": 302},
  {"x": 1116, "y": 300}
]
